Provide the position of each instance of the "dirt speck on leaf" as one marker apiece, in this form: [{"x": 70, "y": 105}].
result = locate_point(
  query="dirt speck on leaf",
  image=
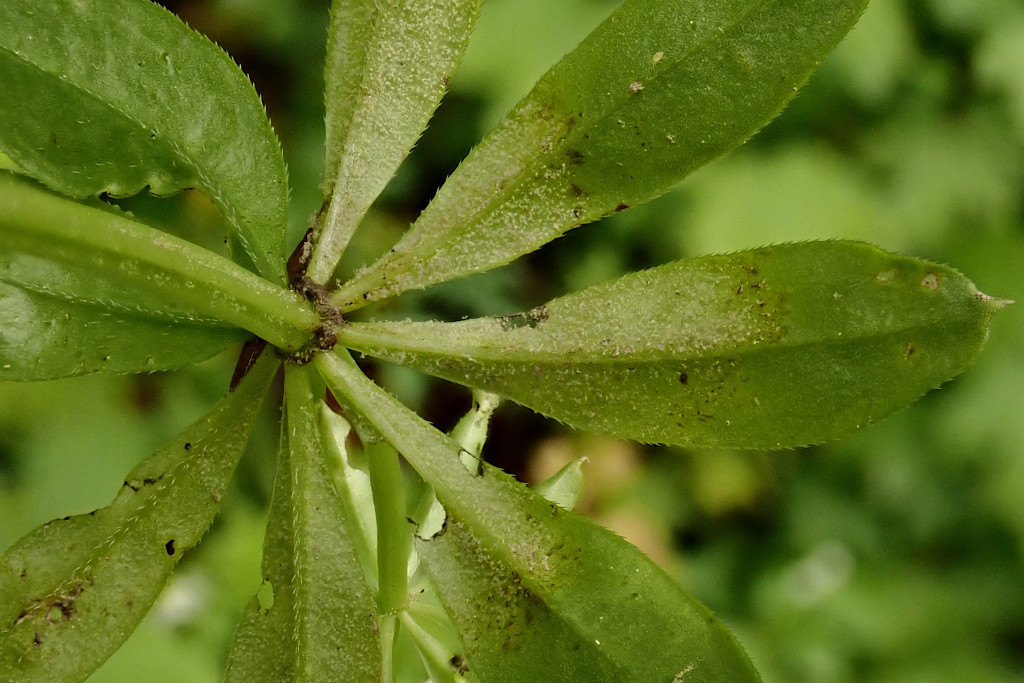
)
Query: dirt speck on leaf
[{"x": 531, "y": 319}]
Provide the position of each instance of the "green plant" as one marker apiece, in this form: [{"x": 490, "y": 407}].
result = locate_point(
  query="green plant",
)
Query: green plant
[{"x": 779, "y": 346}]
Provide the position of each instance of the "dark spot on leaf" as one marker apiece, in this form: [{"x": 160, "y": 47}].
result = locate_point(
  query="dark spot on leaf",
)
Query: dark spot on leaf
[
  {"x": 575, "y": 190},
  {"x": 683, "y": 379},
  {"x": 459, "y": 664},
  {"x": 621, "y": 207},
  {"x": 910, "y": 350},
  {"x": 531, "y": 319},
  {"x": 58, "y": 606},
  {"x": 139, "y": 484},
  {"x": 169, "y": 547},
  {"x": 575, "y": 156},
  {"x": 188, "y": 446}
]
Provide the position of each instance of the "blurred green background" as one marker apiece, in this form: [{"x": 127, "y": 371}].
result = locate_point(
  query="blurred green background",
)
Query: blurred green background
[{"x": 894, "y": 555}]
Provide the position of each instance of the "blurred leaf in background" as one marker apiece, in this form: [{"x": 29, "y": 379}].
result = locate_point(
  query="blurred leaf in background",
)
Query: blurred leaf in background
[{"x": 894, "y": 555}]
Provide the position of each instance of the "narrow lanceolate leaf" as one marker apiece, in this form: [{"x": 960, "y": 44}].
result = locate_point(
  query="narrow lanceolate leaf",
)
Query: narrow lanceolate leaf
[
  {"x": 53, "y": 245},
  {"x": 659, "y": 89},
  {"x": 774, "y": 347},
  {"x": 388, "y": 65},
  {"x": 314, "y": 619},
  {"x": 43, "y": 336},
  {"x": 537, "y": 592},
  {"x": 116, "y": 95},
  {"x": 74, "y": 589}
]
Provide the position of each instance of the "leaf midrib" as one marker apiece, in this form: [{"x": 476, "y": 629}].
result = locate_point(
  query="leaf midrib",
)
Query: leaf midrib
[{"x": 392, "y": 344}]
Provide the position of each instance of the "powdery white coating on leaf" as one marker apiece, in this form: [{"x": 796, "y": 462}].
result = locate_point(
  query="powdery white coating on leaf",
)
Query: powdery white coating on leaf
[
  {"x": 533, "y": 587},
  {"x": 388, "y": 66},
  {"x": 779, "y": 346},
  {"x": 334, "y": 612},
  {"x": 115, "y": 264},
  {"x": 19, "y": 320},
  {"x": 42, "y": 276},
  {"x": 47, "y": 337},
  {"x": 610, "y": 126},
  {"x": 321, "y": 625}
]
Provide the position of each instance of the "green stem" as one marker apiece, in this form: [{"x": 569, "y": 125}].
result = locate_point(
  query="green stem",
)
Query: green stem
[
  {"x": 387, "y": 624},
  {"x": 334, "y": 429},
  {"x": 436, "y": 657},
  {"x": 42, "y": 224},
  {"x": 394, "y": 536},
  {"x": 432, "y": 454},
  {"x": 422, "y": 447},
  {"x": 476, "y": 500},
  {"x": 394, "y": 544}
]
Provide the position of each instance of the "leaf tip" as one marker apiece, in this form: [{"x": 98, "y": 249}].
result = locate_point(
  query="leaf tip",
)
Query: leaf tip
[{"x": 994, "y": 303}]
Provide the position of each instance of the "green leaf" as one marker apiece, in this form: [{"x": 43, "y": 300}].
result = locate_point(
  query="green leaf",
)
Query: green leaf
[
  {"x": 565, "y": 487},
  {"x": 575, "y": 602},
  {"x": 538, "y": 592},
  {"x": 7, "y": 164},
  {"x": 315, "y": 619},
  {"x": 656, "y": 91},
  {"x": 439, "y": 660},
  {"x": 775, "y": 347},
  {"x": 388, "y": 65},
  {"x": 43, "y": 336},
  {"x": 117, "y": 95},
  {"x": 106, "y": 258},
  {"x": 74, "y": 589}
]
